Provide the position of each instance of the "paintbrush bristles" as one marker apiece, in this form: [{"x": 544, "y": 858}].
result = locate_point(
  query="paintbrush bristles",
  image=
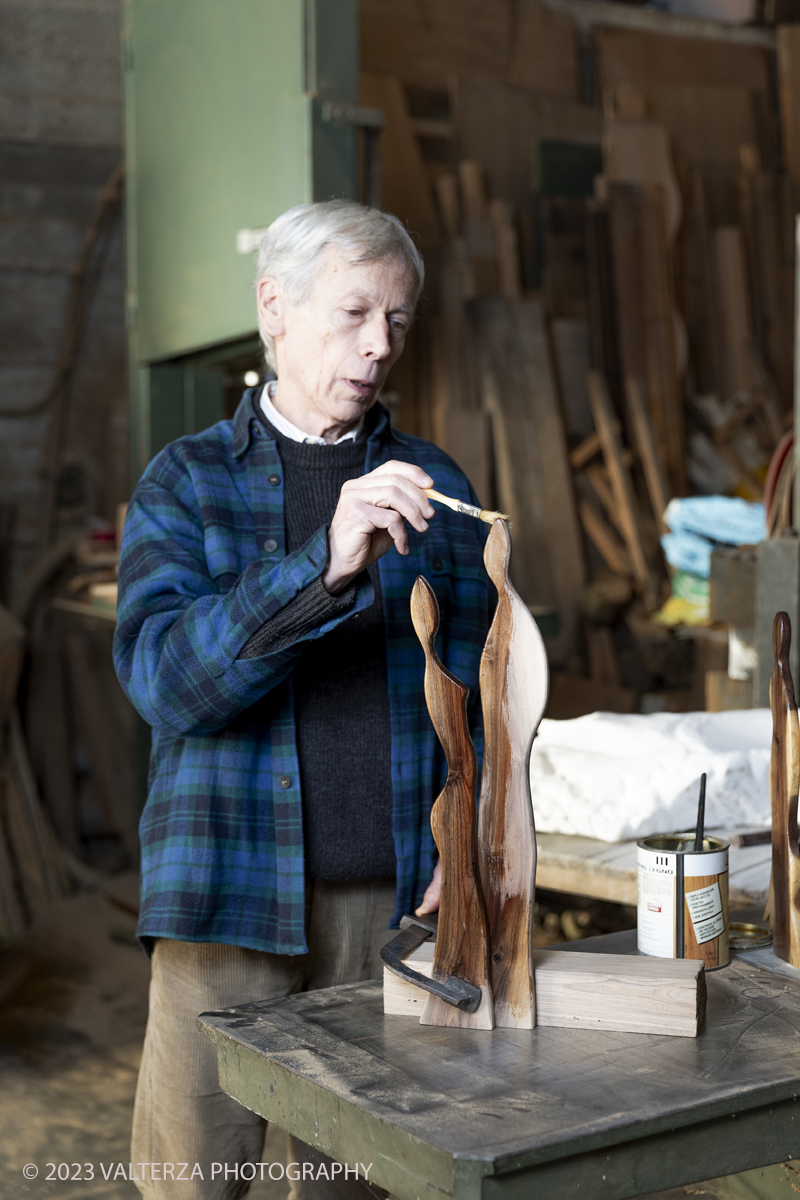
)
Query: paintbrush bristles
[{"x": 469, "y": 510}]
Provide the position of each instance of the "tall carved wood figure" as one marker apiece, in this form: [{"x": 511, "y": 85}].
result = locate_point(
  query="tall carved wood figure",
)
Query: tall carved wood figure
[
  {"x": 461, "y": 941},
  {"x": 783, "y": 906},
  {"x": 514, "y": 683}
]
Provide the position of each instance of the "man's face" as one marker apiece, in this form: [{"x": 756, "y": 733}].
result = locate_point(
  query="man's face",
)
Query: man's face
[{"x": 336, "y": 348}]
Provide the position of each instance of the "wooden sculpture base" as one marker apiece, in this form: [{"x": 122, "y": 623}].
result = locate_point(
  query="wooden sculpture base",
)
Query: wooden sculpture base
[{"x": 590, "y": 991}]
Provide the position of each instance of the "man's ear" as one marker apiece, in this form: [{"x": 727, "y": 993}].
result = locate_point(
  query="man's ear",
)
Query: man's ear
[{"x": 271, "y": 307}]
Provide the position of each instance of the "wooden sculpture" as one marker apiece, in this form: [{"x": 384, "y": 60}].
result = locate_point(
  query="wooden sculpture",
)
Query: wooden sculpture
[
  {"x": 461, "y": 944},
  {"x": 783, "y": 906},
  {"x": 514, "y": 680}
]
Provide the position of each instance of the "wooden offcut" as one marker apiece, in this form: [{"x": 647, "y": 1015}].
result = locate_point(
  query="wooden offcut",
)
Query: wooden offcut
[
  {"x": 577, "y": 990},
  {"x": 462, "y": 947},
  {"x": 513, "y": 668},
  {"x": 783, "y": 906}
]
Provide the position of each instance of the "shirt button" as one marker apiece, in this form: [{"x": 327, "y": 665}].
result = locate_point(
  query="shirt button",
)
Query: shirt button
[
  {"x": 273, "y": 480},
  {"x": 437, "y": 564},
  {"x": 285, "y": 781},
  {"x": 270, "y": 545}
]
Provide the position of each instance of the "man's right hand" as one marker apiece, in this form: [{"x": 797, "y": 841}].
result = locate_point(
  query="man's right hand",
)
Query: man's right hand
[{"x": 370, "y": 517}]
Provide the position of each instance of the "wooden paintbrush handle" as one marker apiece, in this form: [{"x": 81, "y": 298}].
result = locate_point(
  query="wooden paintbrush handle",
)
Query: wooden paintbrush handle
[{"x": 461, "y": 943}]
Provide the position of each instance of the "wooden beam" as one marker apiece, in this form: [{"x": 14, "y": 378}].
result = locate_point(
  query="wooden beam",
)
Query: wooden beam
[
  {"x": 654, "y": 473},
  {"x": 622, "y": 488},
  {"x": 603, "y": 538},
  {"x": 598, "y": 478},
  {"x": 577, "y": 990},
  {"x": 584, "y": 451}
]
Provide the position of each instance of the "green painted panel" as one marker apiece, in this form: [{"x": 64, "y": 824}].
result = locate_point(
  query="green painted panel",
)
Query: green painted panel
[{"x": 219, "y": 139}]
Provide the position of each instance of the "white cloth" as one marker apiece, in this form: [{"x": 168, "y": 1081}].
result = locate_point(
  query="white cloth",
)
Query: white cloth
[
  {"x": 617, "y": 777},
  {"x": 288, "y": 429}
]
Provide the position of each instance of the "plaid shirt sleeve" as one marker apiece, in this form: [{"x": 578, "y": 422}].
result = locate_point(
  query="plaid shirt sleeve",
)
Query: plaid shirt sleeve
[{"x": 180, "y": 630}]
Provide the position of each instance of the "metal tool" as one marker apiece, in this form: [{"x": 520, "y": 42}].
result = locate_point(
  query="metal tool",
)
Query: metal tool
[{"x": 413, "y": 932}]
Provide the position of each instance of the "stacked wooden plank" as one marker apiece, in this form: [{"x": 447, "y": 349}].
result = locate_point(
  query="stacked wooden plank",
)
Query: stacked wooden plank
[{"x": 609, "y": 234}]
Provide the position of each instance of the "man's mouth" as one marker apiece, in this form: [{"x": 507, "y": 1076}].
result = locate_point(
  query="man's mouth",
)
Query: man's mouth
[{"x": 362, "y": 387}]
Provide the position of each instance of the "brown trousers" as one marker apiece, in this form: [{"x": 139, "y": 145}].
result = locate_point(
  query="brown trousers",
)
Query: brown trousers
[{"x": 180, "y": 1114}]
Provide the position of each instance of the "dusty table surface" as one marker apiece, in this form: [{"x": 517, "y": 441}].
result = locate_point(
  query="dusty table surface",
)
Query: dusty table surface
[{"x": 548, "y": 1113}]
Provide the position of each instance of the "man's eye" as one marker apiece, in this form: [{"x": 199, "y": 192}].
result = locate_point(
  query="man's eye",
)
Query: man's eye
[{"x": 355, "y": 312}]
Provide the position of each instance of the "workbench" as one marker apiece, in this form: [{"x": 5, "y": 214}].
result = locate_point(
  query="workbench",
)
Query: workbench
[
  {"x": 512, "y": 1114},
  {"x": 585, "y": 866}
]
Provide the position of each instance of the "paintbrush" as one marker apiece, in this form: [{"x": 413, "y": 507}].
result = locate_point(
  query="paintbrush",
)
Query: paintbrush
[
  {"x": 469, "y": 510},
  {"x": 701, "y": 815}
]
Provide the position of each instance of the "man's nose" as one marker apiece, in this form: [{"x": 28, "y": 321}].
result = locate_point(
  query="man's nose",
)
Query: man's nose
[{"x": 375, "y": 342}]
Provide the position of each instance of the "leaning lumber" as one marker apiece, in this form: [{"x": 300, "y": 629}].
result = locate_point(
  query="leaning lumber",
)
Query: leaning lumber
[
  {"x": 577, "y": 990},
  {"x": 534, "y": 482},
  {"x": 621, "y": 488}
]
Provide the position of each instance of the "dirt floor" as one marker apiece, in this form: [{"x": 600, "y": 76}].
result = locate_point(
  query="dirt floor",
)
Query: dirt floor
[{"x": 73, "y": 1007}]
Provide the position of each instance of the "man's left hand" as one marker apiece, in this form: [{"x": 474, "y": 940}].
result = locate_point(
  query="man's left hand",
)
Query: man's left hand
[{"x": 430, "y": 901}]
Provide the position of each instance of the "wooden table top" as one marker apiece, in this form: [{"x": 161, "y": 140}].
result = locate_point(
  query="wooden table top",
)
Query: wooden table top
[
  {"x": 607, "y": 870},
  {"x": 553, "y": 1113}
]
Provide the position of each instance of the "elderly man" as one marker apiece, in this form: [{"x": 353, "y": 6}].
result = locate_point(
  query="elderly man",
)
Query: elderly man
[{"x": 264, "y": 633}]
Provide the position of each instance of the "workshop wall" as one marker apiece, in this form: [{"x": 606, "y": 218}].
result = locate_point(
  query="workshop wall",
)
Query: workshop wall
[{"x": 60, "y": 140}]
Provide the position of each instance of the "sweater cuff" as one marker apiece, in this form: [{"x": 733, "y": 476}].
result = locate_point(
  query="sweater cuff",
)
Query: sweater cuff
[{"x": 310, "y": 608}]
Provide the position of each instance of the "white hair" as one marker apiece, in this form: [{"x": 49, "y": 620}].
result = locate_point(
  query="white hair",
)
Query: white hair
[{"x": 292, "y": 248}]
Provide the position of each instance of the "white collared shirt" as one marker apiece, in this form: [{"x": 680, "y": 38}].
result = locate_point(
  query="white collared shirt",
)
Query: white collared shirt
[{"x": 288, "y": 429}]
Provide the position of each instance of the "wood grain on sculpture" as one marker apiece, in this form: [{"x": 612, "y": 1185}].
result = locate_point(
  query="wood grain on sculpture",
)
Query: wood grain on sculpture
[
  {"x": 482, "y": 969},
  {"x": 783, "y": 906},
  {"x": 514, "y": 681},
  {"x": 462, "y": 947}
]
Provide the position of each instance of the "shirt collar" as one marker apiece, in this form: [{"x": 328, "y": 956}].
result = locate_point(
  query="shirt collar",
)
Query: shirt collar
[
  {"x": 246, "y": 420},
  {"x": 290, "y": 430}
]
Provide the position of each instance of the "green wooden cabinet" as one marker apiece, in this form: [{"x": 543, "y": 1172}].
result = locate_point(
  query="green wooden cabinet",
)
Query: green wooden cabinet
[{"x": 225, "y": 129}]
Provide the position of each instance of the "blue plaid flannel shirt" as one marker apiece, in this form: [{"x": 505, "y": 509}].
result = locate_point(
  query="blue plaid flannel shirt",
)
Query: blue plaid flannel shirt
[{"x": 221, "y": 833}]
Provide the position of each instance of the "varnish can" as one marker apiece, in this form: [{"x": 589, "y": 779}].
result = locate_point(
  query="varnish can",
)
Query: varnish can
[{"x": 683, "y": 898}]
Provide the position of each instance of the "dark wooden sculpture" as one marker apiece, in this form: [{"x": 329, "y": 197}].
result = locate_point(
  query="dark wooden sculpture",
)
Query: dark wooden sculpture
[
  {"x": 514, "y": 681},
  {"x": 461, "y": 943},
  {"x": 783, "y": 907}
]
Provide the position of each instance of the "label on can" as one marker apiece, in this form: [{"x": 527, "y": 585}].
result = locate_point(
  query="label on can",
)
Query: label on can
[
  {"x": 705, "y": 909},
  {"x": 656, "y": 911}
]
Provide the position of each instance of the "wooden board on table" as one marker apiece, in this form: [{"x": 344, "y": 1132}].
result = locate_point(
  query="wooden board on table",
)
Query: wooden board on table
[
  {"x": 533, "y": 474},
  {"x": 404, "y": 186},
  {"x": 589, "y": 991}
]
